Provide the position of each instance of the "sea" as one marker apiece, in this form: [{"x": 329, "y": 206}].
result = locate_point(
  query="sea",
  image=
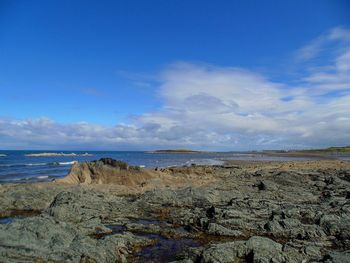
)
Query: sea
[{"x": 18, "y": 167}]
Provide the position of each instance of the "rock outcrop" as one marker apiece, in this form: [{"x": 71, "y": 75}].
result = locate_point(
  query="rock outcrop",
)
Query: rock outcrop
[
  {"x": 106, "y": 171},
  {"x": 113, "y": 172}
]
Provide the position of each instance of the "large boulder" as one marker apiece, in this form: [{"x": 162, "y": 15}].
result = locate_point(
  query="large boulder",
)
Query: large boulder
[
  {"x": 106, "y": 171},
  {"x": 43, "y": 239},
  {"x": 255, "y": 249}
]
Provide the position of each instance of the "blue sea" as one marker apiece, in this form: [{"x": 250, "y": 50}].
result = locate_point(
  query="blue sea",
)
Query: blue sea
[{"x": 15, "y": 166}]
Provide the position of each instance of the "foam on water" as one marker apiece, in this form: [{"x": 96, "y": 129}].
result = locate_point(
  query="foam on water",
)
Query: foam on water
[
  {"x": 37, "y": 164},
  {"x": 42, "y": 176},
  {"x": 67, "y": 163},
  {"x": 204, "y": 162}
]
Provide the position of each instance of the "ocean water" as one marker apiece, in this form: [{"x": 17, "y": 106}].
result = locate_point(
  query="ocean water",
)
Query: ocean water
[{"x": 15, "y": 166}]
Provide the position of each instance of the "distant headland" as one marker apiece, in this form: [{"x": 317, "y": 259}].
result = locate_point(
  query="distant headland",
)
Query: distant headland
[
  {"x": 176, "y": 151},
  {"x": 345, "y": 149},
  {"x": 323, "y": 153}
]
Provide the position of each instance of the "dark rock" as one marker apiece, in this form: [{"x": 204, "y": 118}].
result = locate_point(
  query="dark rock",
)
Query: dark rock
[
  {"x": 329, "y": 180},
  {"x": 347, "y": 195},
  {"x": 114, "y": 163},
  {"x": 211, "y": 212},
  {"x": 256, "y": 249},
  {"x": 261, "y": 186},
  {"x": 337, "y": 257}
]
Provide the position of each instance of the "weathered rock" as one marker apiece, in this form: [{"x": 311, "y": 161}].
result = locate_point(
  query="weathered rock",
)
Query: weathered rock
[
  {"x": 106, "y": 171},
  {"x": 255, "y": 249},
  {"x": 338, "y": 257},
  {"x": 300, "y": 214},
  {"x": 43, "y": 238},
  {"x": 215, "y": 229}
]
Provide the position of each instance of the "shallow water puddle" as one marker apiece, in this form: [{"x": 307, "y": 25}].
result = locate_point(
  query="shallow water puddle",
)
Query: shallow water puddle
[
  {"x": 147, "y": 222},
  {"x": 11, "y": 215},
  {"x": 164, "y": 249},
  {"x": 116, "y": 229},
  {"x": 6, "y": 220}
]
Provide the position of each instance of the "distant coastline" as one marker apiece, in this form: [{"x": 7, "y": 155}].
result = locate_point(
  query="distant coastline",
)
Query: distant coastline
[
  {"x": 176, "y": 151},
  {"x": 345, "y": 149},
  {"x": 323, "y": 153},
  {"x": 334, "y": 150}
]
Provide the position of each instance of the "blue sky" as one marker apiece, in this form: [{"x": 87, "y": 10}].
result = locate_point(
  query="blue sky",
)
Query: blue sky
[{"x": 226, "y": 75}]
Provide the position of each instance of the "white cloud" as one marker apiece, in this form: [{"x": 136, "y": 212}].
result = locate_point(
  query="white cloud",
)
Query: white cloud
[
  {"x": 212, "y": 107},
  {"x": 321, "y": 43},
  {"x": 311, "y": 50}
]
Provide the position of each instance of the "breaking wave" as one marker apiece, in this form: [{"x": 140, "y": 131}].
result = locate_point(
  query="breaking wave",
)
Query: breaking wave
[
  {"x": 37, "y": 164},
  {"x": 204, "y": 162}
]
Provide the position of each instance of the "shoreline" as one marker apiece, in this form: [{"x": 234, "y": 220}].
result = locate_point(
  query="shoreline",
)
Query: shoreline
[
  {"x": 116, "y": 212},
  {"x": 29, "y": 166}
]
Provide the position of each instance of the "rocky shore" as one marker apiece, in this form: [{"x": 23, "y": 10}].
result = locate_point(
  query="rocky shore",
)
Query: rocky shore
[{"x": 108, "y": 211}]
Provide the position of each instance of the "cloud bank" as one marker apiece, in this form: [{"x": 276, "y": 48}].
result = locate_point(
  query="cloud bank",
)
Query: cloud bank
[{"x": 225, "y": 108}]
